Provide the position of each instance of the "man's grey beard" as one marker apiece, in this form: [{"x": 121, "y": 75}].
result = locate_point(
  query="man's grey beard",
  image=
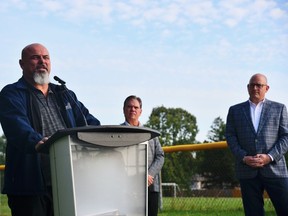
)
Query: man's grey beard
[{"x": 41, "y": 78}]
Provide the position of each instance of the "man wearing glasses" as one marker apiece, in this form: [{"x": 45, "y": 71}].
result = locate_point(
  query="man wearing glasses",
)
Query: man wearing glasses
[{"x": 257, "y": 134}]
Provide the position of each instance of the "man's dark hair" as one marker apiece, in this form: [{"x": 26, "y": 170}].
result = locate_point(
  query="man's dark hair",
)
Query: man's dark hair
[{"x": 132, "y": 97}]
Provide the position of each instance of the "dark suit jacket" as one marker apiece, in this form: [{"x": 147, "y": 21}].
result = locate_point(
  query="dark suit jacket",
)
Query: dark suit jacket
[{"x": 271, "y": 138}]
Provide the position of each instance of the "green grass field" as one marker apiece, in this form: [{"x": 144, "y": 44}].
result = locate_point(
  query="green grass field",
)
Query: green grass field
[
  {"x": 187, "y": 207},
  {"x": 4, "y": 209},
  {"x": 197, "y": 206}
]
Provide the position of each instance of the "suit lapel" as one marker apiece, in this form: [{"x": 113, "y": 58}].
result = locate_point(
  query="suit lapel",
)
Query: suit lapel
[
  {"x": 247, "y": 114},
  {"x": 264, "y": 114}
]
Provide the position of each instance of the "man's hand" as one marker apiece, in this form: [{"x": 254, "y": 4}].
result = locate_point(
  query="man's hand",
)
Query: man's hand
[
  {"x": 259, "y": 160},
  {"x": 150, "y": 180},
  {"x": 266, "y": 159},
  {"x": 41, "y": 142}
]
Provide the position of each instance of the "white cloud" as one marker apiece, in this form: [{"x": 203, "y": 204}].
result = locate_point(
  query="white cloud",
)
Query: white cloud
[
  {"x": 52, "y": 5},
  {"x": 231, "y": 22},
  {"x": 172, "y": 13},
  {"x": 277, "y": 13},
  {"x": 197, "y": 54},
  {"x": 141, "y": 12},
  {"x": 127, "y": 11},
  {"x": 8, "y": 4}
]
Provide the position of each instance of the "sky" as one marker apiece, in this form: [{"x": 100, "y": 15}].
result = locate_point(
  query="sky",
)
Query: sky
[{"x": 197, "y": 55}]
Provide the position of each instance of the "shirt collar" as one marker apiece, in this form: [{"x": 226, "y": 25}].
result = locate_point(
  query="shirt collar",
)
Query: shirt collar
[
  {"x": 126, "y": 123},
  {"x": 260, "y": 103}
]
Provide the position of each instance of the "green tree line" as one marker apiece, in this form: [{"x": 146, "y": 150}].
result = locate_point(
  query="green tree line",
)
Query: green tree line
[{"x": 178, "y": 127}]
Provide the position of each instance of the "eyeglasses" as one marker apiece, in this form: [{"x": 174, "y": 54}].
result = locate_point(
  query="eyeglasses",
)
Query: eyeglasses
[{"x": 258, "y": 85}]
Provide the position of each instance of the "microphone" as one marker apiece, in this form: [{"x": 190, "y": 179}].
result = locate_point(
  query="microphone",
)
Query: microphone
[{"x": 62, "y": 82}]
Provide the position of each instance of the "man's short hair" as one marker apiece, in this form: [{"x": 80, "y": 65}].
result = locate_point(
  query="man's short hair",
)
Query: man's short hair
[{"x": 132, "y": 97}]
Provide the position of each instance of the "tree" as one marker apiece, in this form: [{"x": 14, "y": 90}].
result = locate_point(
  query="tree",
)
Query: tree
[
  {"x": 176, "y": 126},
  {"x": 217, "y": 166},
  {"x": 217, "y": 132},
  {"x": 2, "y": 149}
]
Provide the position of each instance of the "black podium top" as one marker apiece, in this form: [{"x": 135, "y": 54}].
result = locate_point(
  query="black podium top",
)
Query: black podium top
[{"x": 106, "y": 135}]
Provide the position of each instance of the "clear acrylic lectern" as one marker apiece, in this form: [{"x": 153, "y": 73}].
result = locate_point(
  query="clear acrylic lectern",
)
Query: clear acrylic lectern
[{"x": 99, "y": 170}]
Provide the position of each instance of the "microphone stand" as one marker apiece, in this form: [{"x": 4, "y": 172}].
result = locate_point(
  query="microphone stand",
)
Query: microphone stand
[{"x": 62, "y": 83}]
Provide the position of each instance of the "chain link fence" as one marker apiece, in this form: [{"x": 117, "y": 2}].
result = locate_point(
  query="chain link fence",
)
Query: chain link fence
[{"x": 199, "y": 197}]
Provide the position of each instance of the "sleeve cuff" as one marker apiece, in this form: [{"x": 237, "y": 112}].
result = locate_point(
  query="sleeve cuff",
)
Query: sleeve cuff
[{"x": 272, "y": 159}]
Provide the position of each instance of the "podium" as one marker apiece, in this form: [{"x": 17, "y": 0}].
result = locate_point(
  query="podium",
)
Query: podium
[{"x": 99, "y": 170}]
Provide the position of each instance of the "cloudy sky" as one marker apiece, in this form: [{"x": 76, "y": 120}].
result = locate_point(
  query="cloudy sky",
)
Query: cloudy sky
[{"x": 194, "y": 54}]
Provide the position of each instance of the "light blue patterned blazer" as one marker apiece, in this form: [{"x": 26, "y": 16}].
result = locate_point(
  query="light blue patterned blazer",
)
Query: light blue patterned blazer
[{"x": 271, "y": 138}]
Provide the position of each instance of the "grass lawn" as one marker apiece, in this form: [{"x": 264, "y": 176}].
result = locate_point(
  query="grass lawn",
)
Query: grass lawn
[
  {"x": 198, "y": 206},
  {"x": 4, "y": 209},
  {"x": 187, "y": 207}
]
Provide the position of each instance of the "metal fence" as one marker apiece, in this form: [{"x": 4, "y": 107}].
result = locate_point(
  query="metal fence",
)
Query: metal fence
[
  {"x": 174, "y": 198},
  {"x": 201, "y": 199}
]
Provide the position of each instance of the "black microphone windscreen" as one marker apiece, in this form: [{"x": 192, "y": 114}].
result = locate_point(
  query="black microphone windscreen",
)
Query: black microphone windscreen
[{"x": 62, "y": 82}]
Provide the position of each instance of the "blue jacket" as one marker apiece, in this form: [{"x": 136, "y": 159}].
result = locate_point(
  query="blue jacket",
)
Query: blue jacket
[{"x": 20, "y": 120}]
